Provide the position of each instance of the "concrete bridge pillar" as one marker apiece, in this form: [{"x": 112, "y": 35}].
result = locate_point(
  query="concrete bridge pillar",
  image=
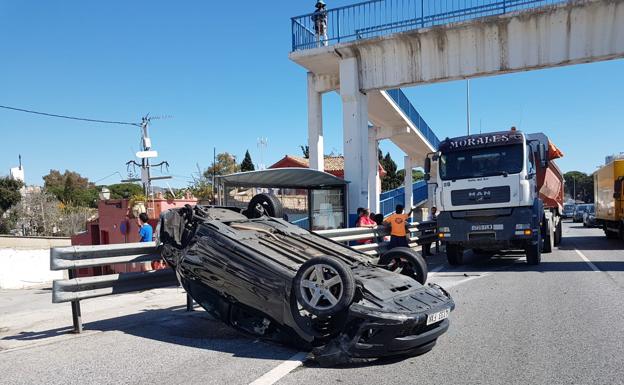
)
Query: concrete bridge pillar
[
  {"x": 355, "y": 131},
  {"x": 408, "y": 183},
  {"x": 374, "y": 182},
  {"x": 315, "y": 125}
]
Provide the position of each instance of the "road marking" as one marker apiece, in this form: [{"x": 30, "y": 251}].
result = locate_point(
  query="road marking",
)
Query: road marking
[
  {"x": 436, "y": 269},
  {"x": 281, "y": 370},
  {"x": 457, "y": 283},
  {"x": 593, "y": 267}
]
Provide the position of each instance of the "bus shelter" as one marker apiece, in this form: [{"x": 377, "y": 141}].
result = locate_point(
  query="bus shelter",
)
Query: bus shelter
[{"x": 312, "y": 199}]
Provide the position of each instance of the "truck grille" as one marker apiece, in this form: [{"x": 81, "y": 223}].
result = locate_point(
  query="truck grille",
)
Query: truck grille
[{"x": 486, "y": 195}]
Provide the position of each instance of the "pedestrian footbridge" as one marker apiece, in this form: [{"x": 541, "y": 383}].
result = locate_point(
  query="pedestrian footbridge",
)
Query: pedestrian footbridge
[{"x": 376, "y": 47}]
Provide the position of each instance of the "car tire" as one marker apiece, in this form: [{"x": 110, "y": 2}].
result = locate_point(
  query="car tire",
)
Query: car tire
[
  {"x": 534, "y": 251},
  {"x": 549, "y": 237},
  {"x": 329, "y": 294},
  {"x": 454, "y": 255},
  {"x": 264, "y": 204},
  {"x": 409, "y": 261}
]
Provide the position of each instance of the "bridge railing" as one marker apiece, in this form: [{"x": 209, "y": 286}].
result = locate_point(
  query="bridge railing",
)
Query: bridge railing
[
  {"x": 383, "y": 17},
  {"x": 408, "y": 109},
  {"x": 389, "y": 199}
]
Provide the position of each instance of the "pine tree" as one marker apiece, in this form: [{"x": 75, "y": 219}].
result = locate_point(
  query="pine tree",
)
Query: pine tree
[
  {"x": 247, "y": 164},
  {"x": 392, "y": 179}
]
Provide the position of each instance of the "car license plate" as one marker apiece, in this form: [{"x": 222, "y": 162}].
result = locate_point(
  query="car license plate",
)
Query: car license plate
[{"x": 437, "y": 317}]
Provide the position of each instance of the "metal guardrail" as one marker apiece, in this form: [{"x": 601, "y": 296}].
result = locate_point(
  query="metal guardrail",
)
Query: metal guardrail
[
  {"x": 420, "y": 233},
  {"x": 75, "y": 289},
  {"x": 383, "y": 17},
  {"x": 74, "y": 257}
]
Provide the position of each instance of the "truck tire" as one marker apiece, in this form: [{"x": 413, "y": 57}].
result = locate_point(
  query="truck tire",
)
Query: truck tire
[
  {"x": 549, "y": 236},
  {"x": 534, "y": 251},
  {"x": 454, "y": 254},
  {"x": 558, "y": 233},
  {"x": 264, "y": 204},
  {"x": 328, "y": 294},
  {"x": 608, "y": 233},
  {"x": 407, "y": 261}
]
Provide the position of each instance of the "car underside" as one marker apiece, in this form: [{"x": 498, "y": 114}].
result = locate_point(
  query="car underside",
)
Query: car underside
[{"x": 274, "y": 280}]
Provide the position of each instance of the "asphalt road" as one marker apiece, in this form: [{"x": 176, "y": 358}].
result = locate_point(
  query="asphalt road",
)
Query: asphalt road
[{"x": 561, "y": 322}]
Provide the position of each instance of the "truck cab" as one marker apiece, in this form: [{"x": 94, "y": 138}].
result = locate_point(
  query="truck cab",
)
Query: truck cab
[{"x": 491, "y": 191}]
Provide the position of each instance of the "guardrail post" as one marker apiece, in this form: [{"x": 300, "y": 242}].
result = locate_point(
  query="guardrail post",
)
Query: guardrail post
[
  {"x": 189, "y": 302},
  {"x": 422, "y": 13},
  {"x": 75, "y": 307},
  {"x": 504, "y": 6}
]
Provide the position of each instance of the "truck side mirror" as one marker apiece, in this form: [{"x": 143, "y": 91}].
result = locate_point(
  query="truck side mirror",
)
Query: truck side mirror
[
  {"x": 427, "y": 165},
  {"x": 543, "y": 155}
]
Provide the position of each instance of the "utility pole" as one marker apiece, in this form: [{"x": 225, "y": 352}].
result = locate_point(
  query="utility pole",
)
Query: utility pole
[
  {"x": 145, "y": 154},
  {"x": 262, "y": 144},
  {"x": 468, "y": 105}
]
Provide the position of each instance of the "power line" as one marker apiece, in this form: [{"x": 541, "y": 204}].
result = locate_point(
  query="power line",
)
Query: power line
[{"x": 70, "y": 117}]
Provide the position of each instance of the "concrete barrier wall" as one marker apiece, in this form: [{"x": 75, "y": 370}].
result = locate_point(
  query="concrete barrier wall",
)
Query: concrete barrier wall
[{"x": 25, "y": 261}]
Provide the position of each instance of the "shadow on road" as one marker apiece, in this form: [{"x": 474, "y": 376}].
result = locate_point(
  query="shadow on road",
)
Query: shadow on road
[
  {"x": 176, "y": 326},
  {"x": 591, "y": 243}
]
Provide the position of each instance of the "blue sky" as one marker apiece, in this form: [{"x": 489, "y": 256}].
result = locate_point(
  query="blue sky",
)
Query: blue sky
[{"x": 221, "y": 69}]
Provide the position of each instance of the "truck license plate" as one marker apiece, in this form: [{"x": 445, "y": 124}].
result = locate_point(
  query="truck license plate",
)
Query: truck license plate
[{"x": 437, "y": 317}]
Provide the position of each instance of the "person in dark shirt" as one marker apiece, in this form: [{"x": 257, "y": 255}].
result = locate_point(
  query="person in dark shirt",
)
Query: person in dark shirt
[
  {"x": 319, "y": 18},
  {"x": 146, "y": 232}
]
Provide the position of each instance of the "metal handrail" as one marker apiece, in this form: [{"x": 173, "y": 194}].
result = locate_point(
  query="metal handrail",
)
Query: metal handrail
[
  {"x": 381, "y": 17},
  {"x": 408, "y": 109}
]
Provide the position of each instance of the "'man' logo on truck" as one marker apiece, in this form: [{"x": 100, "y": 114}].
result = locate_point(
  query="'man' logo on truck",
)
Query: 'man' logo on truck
[
  {"x": 479, "y": 141},
  {"x": 479, "y": 195}
]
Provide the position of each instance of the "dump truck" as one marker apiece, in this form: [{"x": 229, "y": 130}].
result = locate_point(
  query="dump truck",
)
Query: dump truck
[
  {"x": 609, "y": 198},
  {"x": 497, "y": 191}
]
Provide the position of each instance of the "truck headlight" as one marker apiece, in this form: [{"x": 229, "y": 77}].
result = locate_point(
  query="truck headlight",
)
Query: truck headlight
[
  {"x": 444, "y": 230},
  {"x": 523, "y": 226}
]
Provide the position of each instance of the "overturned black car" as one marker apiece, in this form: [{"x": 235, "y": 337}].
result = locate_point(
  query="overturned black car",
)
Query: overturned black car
[{"x": 272, "y": 279}]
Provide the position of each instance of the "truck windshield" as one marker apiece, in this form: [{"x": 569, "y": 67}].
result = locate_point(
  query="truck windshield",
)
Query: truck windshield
[{"x": 481, "y": 162}]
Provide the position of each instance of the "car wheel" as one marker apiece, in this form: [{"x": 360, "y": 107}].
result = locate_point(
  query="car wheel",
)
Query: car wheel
[
  {"x": 324, "y": 286},
  {"x": 454, "y": 254},
  {"x": 534, "y": 251},
  {"x": 264, "y": 204},
  {"x": 405, "y": 261},
  {"x": 549, "y": 236}
]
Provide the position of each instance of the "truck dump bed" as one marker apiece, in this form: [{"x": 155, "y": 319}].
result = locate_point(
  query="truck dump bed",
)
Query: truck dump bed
[
  {"x": 607, "y": 206},
  {"x": 549, "y": 179}
]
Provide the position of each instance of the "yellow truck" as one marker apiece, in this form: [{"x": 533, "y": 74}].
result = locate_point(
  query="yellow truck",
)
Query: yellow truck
[{"x": 609, "y": 198}]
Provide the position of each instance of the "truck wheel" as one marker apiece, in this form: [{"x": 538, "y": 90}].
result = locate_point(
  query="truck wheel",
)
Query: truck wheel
[
  {"x": 324, "y": 286},
  {"x": 558, "y": 233},
  {"x": 405, "y": 261},
  {"x": 608, "y": 233},
  {"x": 549, "y": 237},
  {"x": 454, "y": 255},
  {"x": 534, "y": 251},
  {"x": 264, "y": 204}
]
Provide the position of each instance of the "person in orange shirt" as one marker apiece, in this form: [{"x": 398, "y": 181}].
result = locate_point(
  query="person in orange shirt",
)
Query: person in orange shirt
[{"x": 398, "y": 227}]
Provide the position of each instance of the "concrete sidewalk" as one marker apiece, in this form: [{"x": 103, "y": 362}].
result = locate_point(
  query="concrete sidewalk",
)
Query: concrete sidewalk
[{"x": 29, "y": 317}]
